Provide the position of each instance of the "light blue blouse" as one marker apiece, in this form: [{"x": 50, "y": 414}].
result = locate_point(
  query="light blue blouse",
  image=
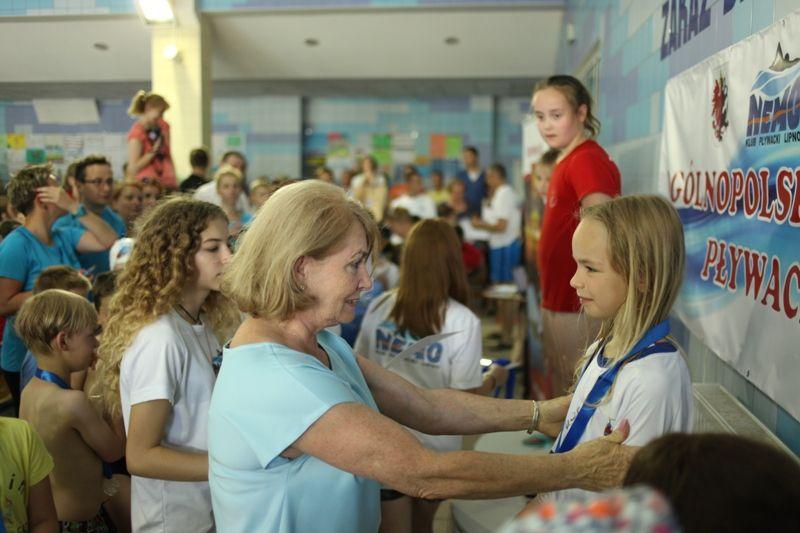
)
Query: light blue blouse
[{"x": 265, "y": 397}]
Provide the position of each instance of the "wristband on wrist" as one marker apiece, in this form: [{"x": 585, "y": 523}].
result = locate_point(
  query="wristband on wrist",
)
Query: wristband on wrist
[{"x": 536, "y": 412}]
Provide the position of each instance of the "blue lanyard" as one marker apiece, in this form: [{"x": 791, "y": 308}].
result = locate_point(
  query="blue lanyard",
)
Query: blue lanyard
[
  {"x": 603, "y": 384},
  {"x": 46, "y": 375}
]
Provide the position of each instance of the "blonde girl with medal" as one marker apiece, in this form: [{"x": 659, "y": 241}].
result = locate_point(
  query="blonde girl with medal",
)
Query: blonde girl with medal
[
  {"x": 630, "y": 257},
  {"x": 166, "y": 325}
]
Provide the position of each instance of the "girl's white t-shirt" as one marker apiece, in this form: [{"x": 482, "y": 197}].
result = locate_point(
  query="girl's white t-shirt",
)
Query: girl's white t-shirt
[
  {"x": 654, "y": 394},
  {"x": 504, "y": 205},
  {"x": 171, "y": 360},
  {"x": 453, "y": 362}
]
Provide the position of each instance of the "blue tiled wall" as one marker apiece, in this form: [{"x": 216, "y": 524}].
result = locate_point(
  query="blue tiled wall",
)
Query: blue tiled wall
[
  {"x": 492, "y": 127},
  {"x": 358, "y": 119},
  {"x": 272, "y": 134},
  {"x": 20, "y": 8},
  {"x": 632, "y": 79},
  {"x": 271, "y": 127},
  {"x": 227, "y": 5}
]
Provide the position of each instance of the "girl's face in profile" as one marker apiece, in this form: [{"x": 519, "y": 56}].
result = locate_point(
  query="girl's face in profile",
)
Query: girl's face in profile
[
  {"x": 601, "y": 289},
  {"x": 213, "y": 255}
]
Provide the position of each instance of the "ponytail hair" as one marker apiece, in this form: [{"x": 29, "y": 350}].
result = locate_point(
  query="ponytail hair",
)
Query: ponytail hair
[
  {"x": 577, "y": 95},
  {"x": 144, "y": 99}
]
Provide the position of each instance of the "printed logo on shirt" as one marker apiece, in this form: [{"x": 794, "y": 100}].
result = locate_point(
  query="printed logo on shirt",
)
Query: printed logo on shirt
[{"x": 389, "y": 343}]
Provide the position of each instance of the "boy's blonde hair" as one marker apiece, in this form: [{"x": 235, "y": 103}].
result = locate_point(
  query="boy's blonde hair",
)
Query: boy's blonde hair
[
  {"x": 45, "y": 315},
  {"x": 61, "y": 277},
  {"x": 645, "y": 247}
]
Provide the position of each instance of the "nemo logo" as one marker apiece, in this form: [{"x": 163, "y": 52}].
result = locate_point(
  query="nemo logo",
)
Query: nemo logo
[{"x": 774, "y": 105}]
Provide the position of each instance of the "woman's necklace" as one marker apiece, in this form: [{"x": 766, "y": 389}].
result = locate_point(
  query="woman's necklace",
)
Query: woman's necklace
[
  {"x": 209, "y": 350},
  {"x": 194, "y": 319}
]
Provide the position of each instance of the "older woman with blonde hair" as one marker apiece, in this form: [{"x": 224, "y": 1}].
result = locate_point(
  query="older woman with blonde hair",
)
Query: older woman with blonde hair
[{"x": 303, "y": 433}]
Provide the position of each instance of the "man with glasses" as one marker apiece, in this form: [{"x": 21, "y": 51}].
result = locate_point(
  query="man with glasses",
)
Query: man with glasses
[{"x": 95, "y": 185}]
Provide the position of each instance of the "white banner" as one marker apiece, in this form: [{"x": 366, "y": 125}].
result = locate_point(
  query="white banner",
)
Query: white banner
[
  {"x": 730, "y": 163},
  {"x": 533, "y": 145}
]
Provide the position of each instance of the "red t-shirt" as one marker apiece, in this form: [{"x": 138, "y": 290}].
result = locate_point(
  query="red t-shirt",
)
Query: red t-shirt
[
  {"x": 161, "y": 168},
  {"x": 586, "y": 170},
  {"x": 472, "y": 256}
]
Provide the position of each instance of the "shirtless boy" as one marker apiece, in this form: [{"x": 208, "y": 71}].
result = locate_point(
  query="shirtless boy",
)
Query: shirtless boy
[{"x": 59, "y": 328}]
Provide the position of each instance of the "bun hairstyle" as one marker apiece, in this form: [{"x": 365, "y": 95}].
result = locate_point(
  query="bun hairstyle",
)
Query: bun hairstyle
[
  {"x": 144, "y": 99},
  {"x": 576, "y": 94}
]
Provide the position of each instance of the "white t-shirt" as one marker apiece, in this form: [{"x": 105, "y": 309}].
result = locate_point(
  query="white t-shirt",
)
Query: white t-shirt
[
  {"x": 378, "y": 180},
  {"x": 171, "y": 360},
  {"x": 387, "y": 271},
  {"x": 452, "y": 363},
  {"x": 503, "y": 205},
  {"x": 654, "y": 394},
  {"x": 207, "y": 192},
  {"x": 421, "y": 206}
]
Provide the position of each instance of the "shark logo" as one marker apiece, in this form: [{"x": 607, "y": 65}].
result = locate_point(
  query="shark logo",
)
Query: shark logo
[
  {"x": 782, "y": 61},
  {"x": 774, "y": 102}
]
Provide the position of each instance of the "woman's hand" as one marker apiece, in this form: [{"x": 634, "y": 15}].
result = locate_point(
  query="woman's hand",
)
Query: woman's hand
[
  {"x": 552, "y": 414},
  {"x": 58, "y": 197},
  {"x": 157, "y": 145},
  {"x": 603, "y": 462},
  {"x": 499, "y": 375}
]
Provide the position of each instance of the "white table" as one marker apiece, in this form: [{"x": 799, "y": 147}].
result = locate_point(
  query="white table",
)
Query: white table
[{"x": 486, "y": 516}]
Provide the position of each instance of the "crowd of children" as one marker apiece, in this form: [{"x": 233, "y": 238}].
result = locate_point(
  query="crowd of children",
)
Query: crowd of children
[{"x": 116, "y": 315}]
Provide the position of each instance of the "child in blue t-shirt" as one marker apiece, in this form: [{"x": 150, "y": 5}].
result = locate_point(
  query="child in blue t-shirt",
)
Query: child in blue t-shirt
[{"x": 34, "y": 246}]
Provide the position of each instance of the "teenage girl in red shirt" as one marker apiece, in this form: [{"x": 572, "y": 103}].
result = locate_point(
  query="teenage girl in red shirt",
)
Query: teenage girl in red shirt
[{"x": 584, "y": 175}]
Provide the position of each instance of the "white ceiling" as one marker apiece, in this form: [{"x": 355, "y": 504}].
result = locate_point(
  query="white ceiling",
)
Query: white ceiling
[
  {"x": 509, "y": 43},
  {"x": 360, "y": 52},
  {"x": 57, "y": 50}
]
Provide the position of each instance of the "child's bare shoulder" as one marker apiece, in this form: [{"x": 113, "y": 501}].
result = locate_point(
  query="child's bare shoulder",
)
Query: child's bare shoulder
[{"x": 75, "y": 405}]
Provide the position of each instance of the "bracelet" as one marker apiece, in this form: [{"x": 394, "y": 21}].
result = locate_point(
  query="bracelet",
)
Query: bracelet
[{"x": 534, "y": 418}]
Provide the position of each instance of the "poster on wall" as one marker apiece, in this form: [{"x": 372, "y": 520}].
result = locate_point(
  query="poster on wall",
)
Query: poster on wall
[
  {"x": 533, "y": 145},
  {"x": 382, "y": 149},
  {"x": 730, "y": 163}
]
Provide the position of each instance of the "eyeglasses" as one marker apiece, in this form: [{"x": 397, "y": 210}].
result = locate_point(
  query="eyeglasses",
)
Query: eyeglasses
[{"x": 98, "y": 182}]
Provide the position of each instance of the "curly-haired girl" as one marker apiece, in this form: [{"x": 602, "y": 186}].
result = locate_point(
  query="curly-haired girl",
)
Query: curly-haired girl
[{"x": 166, "y": 323}]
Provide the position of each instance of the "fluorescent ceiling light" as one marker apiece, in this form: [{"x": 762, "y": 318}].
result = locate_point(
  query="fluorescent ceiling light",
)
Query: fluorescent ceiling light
[{"x": 154, "y": 11}]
